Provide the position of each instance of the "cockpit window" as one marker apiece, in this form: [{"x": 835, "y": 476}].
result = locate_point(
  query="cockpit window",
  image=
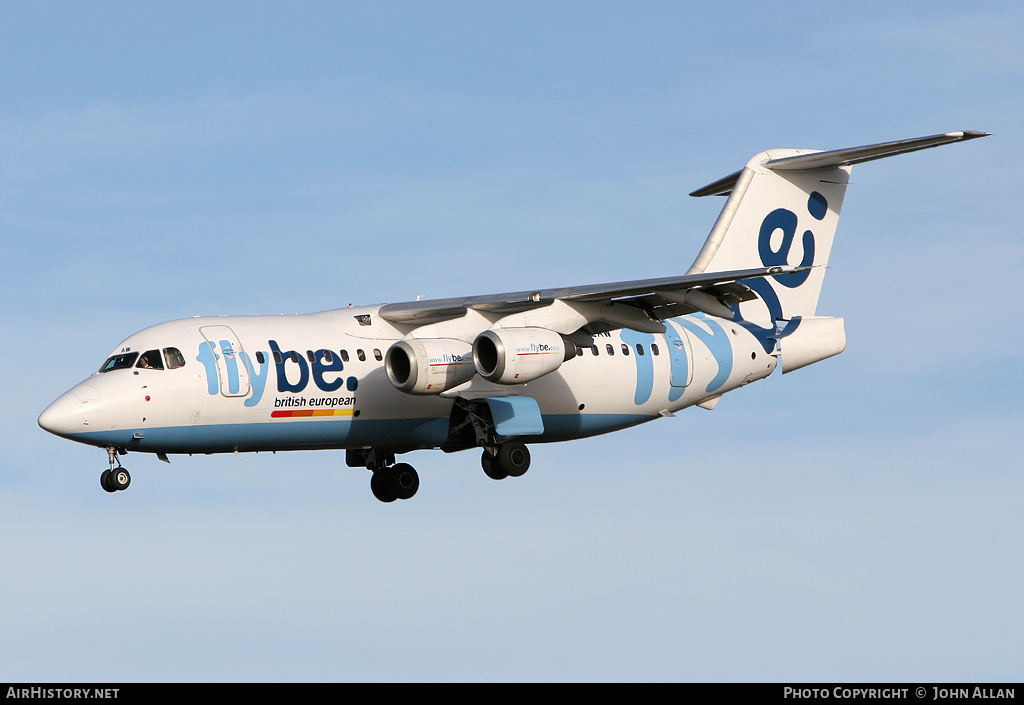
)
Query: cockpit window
[
  {"x": 150, "y": 360},
  {"x": 119, "y": 362},
  {"x": 174, "y": 358}
]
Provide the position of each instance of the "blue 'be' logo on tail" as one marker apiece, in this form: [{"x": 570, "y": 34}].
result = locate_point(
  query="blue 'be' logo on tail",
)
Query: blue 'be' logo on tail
[{"x": 785, "y": 220}]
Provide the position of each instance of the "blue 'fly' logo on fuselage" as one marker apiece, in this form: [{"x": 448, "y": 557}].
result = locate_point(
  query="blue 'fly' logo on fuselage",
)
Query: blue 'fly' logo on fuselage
[
  {"x": 292, "y": 370},
  {"x": 710, "y": 333}
]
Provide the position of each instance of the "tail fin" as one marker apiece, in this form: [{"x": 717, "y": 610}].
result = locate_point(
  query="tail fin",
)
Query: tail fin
[{"x": 783, "y": 208}]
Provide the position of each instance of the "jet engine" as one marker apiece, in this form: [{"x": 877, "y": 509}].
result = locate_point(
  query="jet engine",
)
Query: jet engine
[
  {"x": 518, "y": 355},
  {"x": 429, "y": 365}
]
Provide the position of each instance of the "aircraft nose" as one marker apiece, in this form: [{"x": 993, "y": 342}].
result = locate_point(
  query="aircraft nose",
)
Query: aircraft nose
[{"x": 64, "y": 416}]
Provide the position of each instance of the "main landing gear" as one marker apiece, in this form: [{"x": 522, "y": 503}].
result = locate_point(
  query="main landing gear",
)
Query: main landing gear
[
  {"x": 508, "y": 459},
  {"x": 390, "y": 480},
  {"x": 472, "y": 424},
  {"x": 400, "y": 481},
  {"x": 116, "y": 478}
]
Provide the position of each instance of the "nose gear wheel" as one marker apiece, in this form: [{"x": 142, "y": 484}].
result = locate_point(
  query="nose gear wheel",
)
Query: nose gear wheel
[{"x": 116, "y": 478}]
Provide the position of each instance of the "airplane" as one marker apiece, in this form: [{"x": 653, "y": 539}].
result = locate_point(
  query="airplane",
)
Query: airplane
[{"x": 495, "y": 372}]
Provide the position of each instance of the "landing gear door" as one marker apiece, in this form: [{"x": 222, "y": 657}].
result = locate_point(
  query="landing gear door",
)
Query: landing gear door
[{"x": 232, "y": 372}]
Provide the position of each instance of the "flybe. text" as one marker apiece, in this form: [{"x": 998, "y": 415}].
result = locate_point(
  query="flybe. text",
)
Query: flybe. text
[{"x": 233, "y": 373}]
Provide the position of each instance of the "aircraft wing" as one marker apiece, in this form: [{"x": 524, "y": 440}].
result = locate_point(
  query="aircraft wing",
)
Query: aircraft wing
[{"x": 640, "y": 304}]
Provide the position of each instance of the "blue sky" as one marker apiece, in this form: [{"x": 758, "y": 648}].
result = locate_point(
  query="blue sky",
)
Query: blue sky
[{"x": 857, "y": 520}]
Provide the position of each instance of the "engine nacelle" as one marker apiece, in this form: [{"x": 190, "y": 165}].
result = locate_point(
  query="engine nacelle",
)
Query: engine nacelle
[
  {"x": 518, "y": 355},
  {"x": 429, "y": 365}
]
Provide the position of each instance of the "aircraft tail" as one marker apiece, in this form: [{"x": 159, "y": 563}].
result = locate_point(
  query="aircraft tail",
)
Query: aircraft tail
[{"x": 783, "y": 209}]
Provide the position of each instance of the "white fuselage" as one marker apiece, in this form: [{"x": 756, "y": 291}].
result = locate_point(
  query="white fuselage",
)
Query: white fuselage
[{"x": 261, "y": 383}]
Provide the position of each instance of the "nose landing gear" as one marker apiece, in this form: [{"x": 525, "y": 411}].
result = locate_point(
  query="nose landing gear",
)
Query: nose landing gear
[{"x": 116, "y": 478}]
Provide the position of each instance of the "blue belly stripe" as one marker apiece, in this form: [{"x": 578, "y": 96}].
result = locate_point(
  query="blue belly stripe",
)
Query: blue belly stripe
[{"x": 334, "y": 433}]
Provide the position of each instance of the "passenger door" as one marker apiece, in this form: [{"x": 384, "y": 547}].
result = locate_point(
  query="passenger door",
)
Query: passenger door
[
  {"x": 681, "y": 353},
  {"x": 232, "y": 372}
]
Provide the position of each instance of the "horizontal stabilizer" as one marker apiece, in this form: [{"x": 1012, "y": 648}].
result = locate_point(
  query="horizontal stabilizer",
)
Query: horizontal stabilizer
[
  {"x": 858, "y": 155},
  {"x": 813, "y": 160}
]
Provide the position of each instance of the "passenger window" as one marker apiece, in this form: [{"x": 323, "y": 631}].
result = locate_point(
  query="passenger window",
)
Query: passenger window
[
  {"x": 625, "y": 350},
  {"x": 296, "y": 358},
  {"x": 174, "y": 358},
  {"x": 654, "y": 349},
  {"x": 260, "y": 357},
  {"x": 328, "y": 356},
  {"x": 610, "y": 349},
  {"x": 310, "y": 356},
  {"x": 639, "y": 349},
  {"x": 150, "y": 360},
  {"x": 593, "y": 349},
  {"x": 277, "y": 357},
  {"x": 361, "y": 355},
  {"x": 119, "y": 362},
  {"x": 376, "y": 355}
]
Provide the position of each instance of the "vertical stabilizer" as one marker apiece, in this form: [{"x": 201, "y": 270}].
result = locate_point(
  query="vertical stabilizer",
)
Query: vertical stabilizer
[
  {"x": 783, "y": 209},
  {"x": 777, "y": 219}
]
